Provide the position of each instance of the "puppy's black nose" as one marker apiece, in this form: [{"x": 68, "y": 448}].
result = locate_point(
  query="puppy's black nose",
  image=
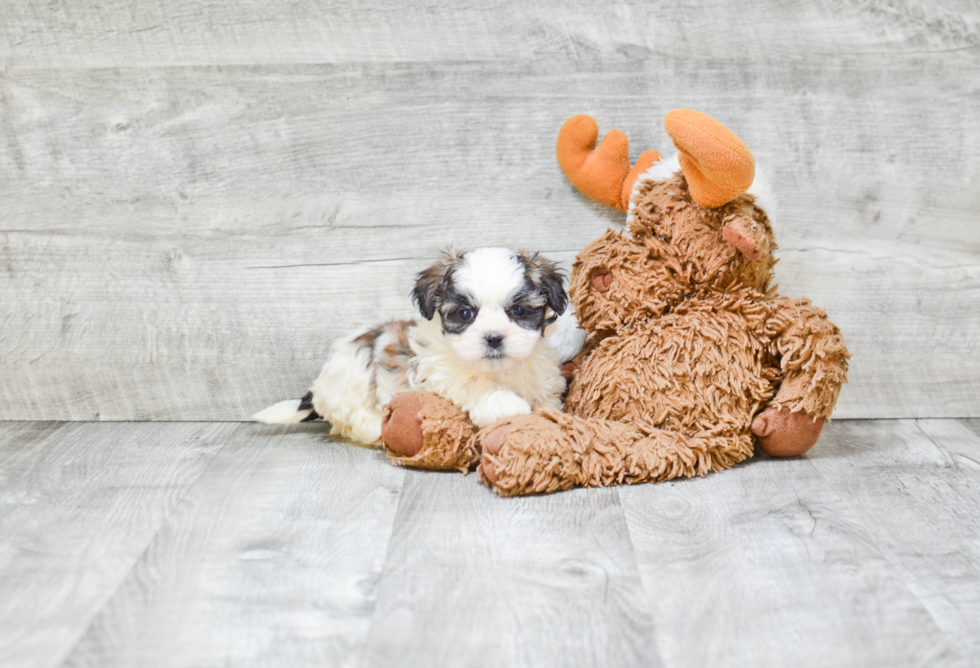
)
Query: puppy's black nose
[{"x": 495, "y": 340}]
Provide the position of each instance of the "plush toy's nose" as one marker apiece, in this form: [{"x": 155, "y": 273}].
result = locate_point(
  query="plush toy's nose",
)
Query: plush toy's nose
[{"x": 602, "y": 280}]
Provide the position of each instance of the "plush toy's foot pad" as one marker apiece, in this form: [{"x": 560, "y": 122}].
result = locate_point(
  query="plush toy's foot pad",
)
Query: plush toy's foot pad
[
  {"x": 717, "y": 164},
  {"x": 492, "y": 443},
  {"x": 427, "y": 431},
  {"x": 401, "y": 429},
  {"x": 782, "y": 433}
]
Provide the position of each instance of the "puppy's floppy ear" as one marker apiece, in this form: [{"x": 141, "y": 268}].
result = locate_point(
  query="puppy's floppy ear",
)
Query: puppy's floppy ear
[
  {"x": 547, "y": 279},
  {"x": 424, "y": 293},
  {"x": 432, "y": 282}
]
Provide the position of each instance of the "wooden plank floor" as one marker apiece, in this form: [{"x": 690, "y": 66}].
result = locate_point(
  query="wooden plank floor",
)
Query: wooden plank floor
[{"x": 200, "y": 544}]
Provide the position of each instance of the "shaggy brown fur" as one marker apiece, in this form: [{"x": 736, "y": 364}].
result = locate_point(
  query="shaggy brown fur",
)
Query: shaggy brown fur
[{"x": 689, "y": 343}]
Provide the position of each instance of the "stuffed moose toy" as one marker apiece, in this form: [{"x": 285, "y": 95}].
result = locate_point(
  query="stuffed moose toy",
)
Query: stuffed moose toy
[{"x": 691, "y": 356}]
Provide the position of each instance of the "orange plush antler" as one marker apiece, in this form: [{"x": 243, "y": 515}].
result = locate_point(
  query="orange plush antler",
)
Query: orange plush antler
[
  {"x": 717, "y": 164},
  {"x": 601, "y": 172}
]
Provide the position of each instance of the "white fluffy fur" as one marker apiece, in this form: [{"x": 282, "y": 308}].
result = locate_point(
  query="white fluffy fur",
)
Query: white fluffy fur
[
  {"x": 352, "y": 388},
  {"x": 565, "y": 337},
  {"x": 342, "y": 393},
  {"x": 765, "y": 198},
  {"x": 285, "y": 412},
  {"x": 661, "y": 170}
]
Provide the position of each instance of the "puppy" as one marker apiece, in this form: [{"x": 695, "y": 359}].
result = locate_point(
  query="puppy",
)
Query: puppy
[{"x": 492, "y": 340}]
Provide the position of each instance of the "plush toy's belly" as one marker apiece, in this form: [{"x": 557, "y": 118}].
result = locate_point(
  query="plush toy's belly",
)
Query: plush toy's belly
[{"x": 695, "y": 370}]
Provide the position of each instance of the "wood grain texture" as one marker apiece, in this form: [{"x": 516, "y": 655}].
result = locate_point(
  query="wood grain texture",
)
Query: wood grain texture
[
  {"x": 475, "y": 580},
  {"x": 170, "y": 544},
  {"x": 972, "y": 425},
  {"x": 78, "y": 505},
  {"x": 121, "y": 34},
  {"x": 915, "y": 487},
  {"x": 766, "y": 565},
  {"x": 272, "y": 559},
  {"x": 185, "y": 243},
  {"x": 18, "y": 440}
]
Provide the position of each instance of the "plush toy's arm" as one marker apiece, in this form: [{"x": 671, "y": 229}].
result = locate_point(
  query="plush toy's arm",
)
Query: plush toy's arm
[
  {"x": 811, "y": 354},
  {"x": 427, "y": 431}
]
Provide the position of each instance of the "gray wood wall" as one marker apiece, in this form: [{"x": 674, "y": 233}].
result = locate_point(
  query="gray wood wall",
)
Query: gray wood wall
[{"x": 197, "y": 198}]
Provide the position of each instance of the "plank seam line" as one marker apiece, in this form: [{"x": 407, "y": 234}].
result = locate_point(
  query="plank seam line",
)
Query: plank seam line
[
  {"x": 406, "y": 472},
  {"x": 95, "y": 614},
  {"x": 639, "y": 573},
  {"x": 895, "y": 568},
  {"x": 946, "y": 451}
]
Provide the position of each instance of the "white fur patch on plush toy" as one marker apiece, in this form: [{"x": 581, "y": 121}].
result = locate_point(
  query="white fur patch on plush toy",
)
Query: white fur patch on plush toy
[{"x": 665, "y": 168}]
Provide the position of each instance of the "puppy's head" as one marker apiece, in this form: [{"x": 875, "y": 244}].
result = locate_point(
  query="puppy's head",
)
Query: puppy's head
[{"x": 493, "y": 303}]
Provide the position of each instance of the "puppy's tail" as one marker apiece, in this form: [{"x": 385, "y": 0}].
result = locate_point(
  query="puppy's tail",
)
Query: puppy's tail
[{"x": 290, "y": 411}]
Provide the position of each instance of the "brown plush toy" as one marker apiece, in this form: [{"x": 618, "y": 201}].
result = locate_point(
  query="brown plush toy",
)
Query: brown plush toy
[{"x": 692, "y": 356}]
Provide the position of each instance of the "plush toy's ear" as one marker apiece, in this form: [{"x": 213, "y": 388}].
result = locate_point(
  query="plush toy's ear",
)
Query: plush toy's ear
[
  {"x": 600, "y": 172},
  {"x": 430, "y": 283},
  {"x": 548, "y": 280},
  {"x": 717, "y": 164}
]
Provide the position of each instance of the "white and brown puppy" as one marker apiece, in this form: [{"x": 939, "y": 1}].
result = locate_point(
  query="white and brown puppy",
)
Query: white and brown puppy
[{"x": 492, "y": 341}]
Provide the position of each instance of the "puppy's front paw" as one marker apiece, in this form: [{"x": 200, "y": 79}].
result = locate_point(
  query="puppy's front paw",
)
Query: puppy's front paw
[{"x": 497, "y": 406}]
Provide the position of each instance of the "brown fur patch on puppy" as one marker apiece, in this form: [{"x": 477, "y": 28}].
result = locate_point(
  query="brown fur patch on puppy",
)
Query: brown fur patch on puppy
[
  {"x": 431, "y": 282},
  {"x": 547, "y": 280}
]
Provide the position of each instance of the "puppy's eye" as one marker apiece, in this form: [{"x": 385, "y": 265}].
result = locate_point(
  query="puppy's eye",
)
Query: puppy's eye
[
  {"x": 517, "y": 311},
  {"x": 465, "y": 314}
]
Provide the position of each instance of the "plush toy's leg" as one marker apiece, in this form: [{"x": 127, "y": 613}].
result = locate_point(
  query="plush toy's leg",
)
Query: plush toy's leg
[
  {"x": 426, "y": 431},
  {"x": 813, "y": 357},
  {"x": 717, "y": 164},
  {"x": 551, "y": 451},
  {"x": 812, "y": 354}
]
